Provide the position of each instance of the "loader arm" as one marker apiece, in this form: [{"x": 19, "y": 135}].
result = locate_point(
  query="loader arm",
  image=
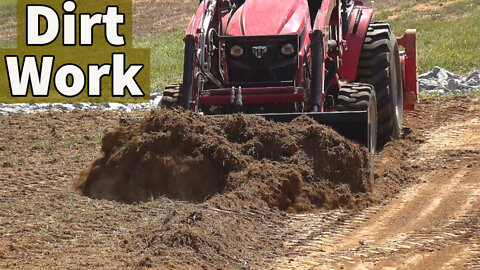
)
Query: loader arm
[{"x": 327, "y": 15}]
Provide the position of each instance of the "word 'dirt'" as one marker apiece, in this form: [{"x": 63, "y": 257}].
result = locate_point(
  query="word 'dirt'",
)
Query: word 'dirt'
[{"x": 111, "y": 19}]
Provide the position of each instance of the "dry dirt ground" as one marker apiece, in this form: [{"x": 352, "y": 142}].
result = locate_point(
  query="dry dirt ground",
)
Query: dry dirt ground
[
  {"x": 432, "y": 224},
  {"x": 424, "y": 215},
  {"x": 423, "y": 212},
  {"x": 151, "y": 17}
]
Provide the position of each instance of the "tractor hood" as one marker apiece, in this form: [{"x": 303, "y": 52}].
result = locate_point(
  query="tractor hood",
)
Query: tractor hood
[{"x": 269, "y": 17}]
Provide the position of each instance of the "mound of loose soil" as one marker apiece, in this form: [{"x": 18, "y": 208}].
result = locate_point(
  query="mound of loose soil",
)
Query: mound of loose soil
[{"x": 230, "y": 160}]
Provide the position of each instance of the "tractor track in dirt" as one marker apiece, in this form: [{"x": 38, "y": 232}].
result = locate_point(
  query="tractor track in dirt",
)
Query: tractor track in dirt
[
  {"x": 370, "y": 239},
  {"x": 431, "y": 225}
]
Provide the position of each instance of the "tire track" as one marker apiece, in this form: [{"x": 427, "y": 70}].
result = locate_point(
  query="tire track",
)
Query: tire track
[{"x": 433, "y": 225}]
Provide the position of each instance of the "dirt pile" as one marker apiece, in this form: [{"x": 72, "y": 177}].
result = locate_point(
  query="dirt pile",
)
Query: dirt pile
[{"x": 235, "y": 159}]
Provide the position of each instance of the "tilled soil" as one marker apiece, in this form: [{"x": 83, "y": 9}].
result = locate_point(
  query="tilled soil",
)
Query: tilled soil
[{"x": 420, "y": 211}]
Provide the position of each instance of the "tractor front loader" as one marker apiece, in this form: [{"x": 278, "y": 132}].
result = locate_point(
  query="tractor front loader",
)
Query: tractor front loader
[{"x": 282, "y": 59}]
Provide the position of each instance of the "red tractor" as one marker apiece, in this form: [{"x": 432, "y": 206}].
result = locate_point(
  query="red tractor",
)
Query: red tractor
[{"x": 284, "y": 58}]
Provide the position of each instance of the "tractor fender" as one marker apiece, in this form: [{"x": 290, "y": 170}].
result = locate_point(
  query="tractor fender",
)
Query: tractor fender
[
  {"x": 324, "y": 16},
  {"x": 357, "y": 30}
]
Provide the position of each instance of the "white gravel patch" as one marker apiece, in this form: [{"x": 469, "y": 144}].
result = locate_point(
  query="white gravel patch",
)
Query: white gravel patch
[
  {"x": 443, "y": 82},
  {"x": 155, "y": 101}
]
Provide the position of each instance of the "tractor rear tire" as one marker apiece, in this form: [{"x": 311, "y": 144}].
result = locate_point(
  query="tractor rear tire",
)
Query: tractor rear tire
[
  {"x": 171, "y": 97},
  {"x": 379, "y": 65},
  {"x": 361, "y": 97},
  {"x": 181, "y": 96}
]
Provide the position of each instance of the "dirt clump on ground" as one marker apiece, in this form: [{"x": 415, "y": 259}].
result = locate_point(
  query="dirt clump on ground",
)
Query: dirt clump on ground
[{"x": 296, "y": 166}]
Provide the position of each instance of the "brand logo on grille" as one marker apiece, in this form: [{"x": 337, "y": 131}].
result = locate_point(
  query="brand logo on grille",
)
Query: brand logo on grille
[{"x": 259, "y": 51}]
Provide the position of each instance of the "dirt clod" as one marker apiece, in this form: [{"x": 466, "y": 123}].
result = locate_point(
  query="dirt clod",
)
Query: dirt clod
[{"x": 296, "y": 166}]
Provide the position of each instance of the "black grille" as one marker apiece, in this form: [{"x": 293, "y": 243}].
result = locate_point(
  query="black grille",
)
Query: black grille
[{"x": 272, "y": 69}]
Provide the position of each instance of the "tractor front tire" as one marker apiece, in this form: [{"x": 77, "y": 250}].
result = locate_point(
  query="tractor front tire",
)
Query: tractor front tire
[
  {"x": 361, "y": 97},
  {"x": 379, "y": 65}
]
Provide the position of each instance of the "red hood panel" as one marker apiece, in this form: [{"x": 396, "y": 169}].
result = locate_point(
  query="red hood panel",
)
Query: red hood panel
[{"x": 269, "y": 17}]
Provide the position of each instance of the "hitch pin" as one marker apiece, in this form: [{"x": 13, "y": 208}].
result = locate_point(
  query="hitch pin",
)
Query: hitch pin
[{"x": 232, "y": 97}]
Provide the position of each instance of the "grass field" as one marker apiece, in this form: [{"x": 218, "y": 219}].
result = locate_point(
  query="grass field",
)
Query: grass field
[
  {"x": 448, "y": 33},
  {"x": 454, "y": 45},
  {"x": 166, "y": 57},
  {"x": 8, "y": 10}
]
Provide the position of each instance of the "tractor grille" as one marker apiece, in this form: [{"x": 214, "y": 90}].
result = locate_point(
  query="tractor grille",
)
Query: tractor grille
[{"x": 267, "y": 68}]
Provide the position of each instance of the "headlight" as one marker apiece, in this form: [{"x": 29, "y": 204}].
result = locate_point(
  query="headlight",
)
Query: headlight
[
  {"x": 236, "y": 51},
  {"x": 288, "y": 49}
]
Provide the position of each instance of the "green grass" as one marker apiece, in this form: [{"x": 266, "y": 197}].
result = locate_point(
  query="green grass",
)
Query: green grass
[
  {"x": 424, "y": 95},
  {"x": 8, "y": 11},
  {"x": 166, "y": 58},
  {"x": 382, "y": 15},
  {"x": 452, "y": 44},
  {"x": 8, "y": 20}
]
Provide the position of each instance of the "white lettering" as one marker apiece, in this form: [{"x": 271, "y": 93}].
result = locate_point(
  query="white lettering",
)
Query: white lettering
[{"x": 30, "y": 74}]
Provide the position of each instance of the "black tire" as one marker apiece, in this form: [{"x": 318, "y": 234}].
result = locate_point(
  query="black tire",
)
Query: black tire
[
  {"x": 361, "y": 97},
  {"x": 379, "y": 65},
  {"x": 171, "y": 97}
]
